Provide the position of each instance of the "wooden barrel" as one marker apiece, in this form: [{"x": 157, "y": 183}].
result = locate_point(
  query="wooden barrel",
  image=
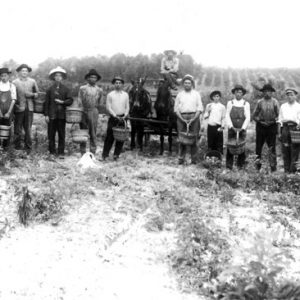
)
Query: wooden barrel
[
  {"x": 4, "y": 132},
  {"x": 74, "y": 114}
]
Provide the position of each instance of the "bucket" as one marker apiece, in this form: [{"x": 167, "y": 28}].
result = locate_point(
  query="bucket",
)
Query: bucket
[
  {"x": 4, "y": 132},
  {"x": 38, "y": 106},
  {"x": 121, "y": 134},
  {"x": 295, "y": 136},
  {"x": 80, "y": 135},
  {"x": 187, "y": 138},
  {"x": 74, "y": 114},
  {"x": 235, "y": 146}
]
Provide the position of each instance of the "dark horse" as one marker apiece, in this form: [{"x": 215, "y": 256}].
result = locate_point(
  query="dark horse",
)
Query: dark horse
[
  {"x": 140, "y": 107},
  {"x": 164, "y": 106}
]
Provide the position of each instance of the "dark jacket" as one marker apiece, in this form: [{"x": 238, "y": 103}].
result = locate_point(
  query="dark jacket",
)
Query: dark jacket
[{"x": 51, "y": 108}]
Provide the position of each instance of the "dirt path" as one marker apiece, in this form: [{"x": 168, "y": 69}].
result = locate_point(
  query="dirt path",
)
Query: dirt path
[{"x": 99, "y": 250}]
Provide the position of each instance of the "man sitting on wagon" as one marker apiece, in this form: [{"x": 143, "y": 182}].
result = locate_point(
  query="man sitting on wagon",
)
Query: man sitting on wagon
[{"x": 169, "y": 68}]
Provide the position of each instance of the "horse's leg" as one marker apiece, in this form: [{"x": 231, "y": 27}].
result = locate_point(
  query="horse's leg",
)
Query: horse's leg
[
  {"x": 162, "y": 140},
  {"x": 133, "y": 132},
  {"x": 140, "y": 134},
  {"x": 170, "y": 138}
]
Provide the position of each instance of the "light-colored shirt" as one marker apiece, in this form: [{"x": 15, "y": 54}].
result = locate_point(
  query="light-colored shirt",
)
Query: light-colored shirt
[
  {"x": 117, "y": 103},
  {"x": 8, "y": 86},
  {"x": 215, "y": 113},
  {"x": 169, "y": 65},
  {"x": 24, "y": 86},
  {"x": 188, "y": 102},
  {"x": 289, "y": 112},
  {"x": 238, "y": 103},
  {"x": 89, "y": 96}
]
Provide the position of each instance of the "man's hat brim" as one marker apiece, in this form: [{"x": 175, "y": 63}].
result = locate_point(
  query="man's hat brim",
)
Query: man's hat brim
[
  {"x": 116, "y": 79},
  {"x": 268, "y": 88},
  {"x": 291, "y": 90},
  {"x": 93, "y": 73},
  {"x": 239, "y": 88},
  {"x": 214, "y": 93},
  {"x": 23, "y": 66},
  {"x": 4, "y": 71}
]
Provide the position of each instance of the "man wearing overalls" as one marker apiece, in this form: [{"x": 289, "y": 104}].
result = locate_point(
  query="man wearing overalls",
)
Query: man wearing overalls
[
  {"x": 289, "y": 119},
  {"x": 237, "y": 117},
  {"x": 8, "y": 96}
]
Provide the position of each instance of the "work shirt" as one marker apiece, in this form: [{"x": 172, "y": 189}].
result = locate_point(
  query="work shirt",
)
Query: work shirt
[
  {"x": 215, "y": 113},
  {"x": 238, "y": 103},
  {"x": 169, "y": 65},
  {"x": 27, "y": 85},
  {"x": 52, "y": 109},
  {"x": 117, "y": 103},
  {"x": 8, "y": 86},
  {"x": 289, "y": 112},
  {"x": 89, "y": 97},
  {"x": 188, "y": 102},
  {"x": 266, "y": 110}
]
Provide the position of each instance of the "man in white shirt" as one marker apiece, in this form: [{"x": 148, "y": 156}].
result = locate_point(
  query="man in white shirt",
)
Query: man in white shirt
[
  {"x": 117, "y": 105},
  {"x": 237, "y": 118},
  {"x": 169, "y": 67},
  {"x": 8, "y": 96},
  {"x": 215, "y": 113},
  {"x": 188, "y": 108},
  {"x": 289, "y": 119}
]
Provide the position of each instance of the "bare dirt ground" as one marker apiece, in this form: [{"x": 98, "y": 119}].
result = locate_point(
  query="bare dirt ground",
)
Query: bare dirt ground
[{"x": 119, "y": 228}]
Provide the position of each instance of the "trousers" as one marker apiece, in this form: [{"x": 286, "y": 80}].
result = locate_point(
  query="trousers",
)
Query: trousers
[{"x": 57, "y": 126}]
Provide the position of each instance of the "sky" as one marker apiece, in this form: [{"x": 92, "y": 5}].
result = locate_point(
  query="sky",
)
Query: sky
[{"x": 222, "y": 33}]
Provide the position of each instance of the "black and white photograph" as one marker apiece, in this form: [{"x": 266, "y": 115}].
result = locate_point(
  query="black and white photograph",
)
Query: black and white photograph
[{"x": 150, "y": 150}]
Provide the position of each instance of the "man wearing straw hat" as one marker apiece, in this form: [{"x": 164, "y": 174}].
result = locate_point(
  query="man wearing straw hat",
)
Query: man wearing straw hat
[
  {"x": 8, "y": 96},
  {"x": 58, "y": 96},
  {"x": 27, "y": 91},
  {"x": 89, "y": 98},
  {"x": 169, "y": 68},
  {"x": 266, "y": 115},
  {"x": 117, "y": 105},
  {"x": 289, "y": 120},
  {"x": 188, "y": 107},
  {"x": 237, "y": 119}
]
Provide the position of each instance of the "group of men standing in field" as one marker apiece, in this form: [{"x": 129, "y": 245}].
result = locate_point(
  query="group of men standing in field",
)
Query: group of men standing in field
[{"x": 17, "y": 98}]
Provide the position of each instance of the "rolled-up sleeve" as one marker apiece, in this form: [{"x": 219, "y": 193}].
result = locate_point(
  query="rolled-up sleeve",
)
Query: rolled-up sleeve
[
  {"x": 247, "y": 116},
  {"x": 13, "y": 91},
  {"x": 228, "y": 118}
]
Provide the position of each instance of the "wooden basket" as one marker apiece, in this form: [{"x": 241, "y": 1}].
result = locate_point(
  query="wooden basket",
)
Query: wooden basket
[
  {"x": 74, "y": 114},
  {"x": 295, "y": 136},
  {"x": 121, "y": 134},
  {"x": 4, "y": 132},
  {"x": 80, "y": 135},
  {"x": 38, "y": 106},
  {"x": 187, "y": 138},
  {"x": 236, "y": 147}
]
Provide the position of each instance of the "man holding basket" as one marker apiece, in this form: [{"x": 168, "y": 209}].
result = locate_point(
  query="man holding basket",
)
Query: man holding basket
[{"x": 188, "y": 108}]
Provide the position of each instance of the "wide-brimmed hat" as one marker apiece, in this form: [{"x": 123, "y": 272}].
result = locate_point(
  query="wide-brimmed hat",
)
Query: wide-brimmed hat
[
  {"x": 168, "y": 51},
  {"x": 23, "y": 66},
  {"x": 188, "y": 77},
  {"x": 214, "y": 93},
  {"x": 94, "y": 73},
  {"x": 117, "y": 78},
  {"x": 291, "y": 89},
  {"x": 239, "y": 87},
  {"x": 58, "y": 70},
  {"x": 4, "y": 70},
  {"x": 267, "y": 87}
]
